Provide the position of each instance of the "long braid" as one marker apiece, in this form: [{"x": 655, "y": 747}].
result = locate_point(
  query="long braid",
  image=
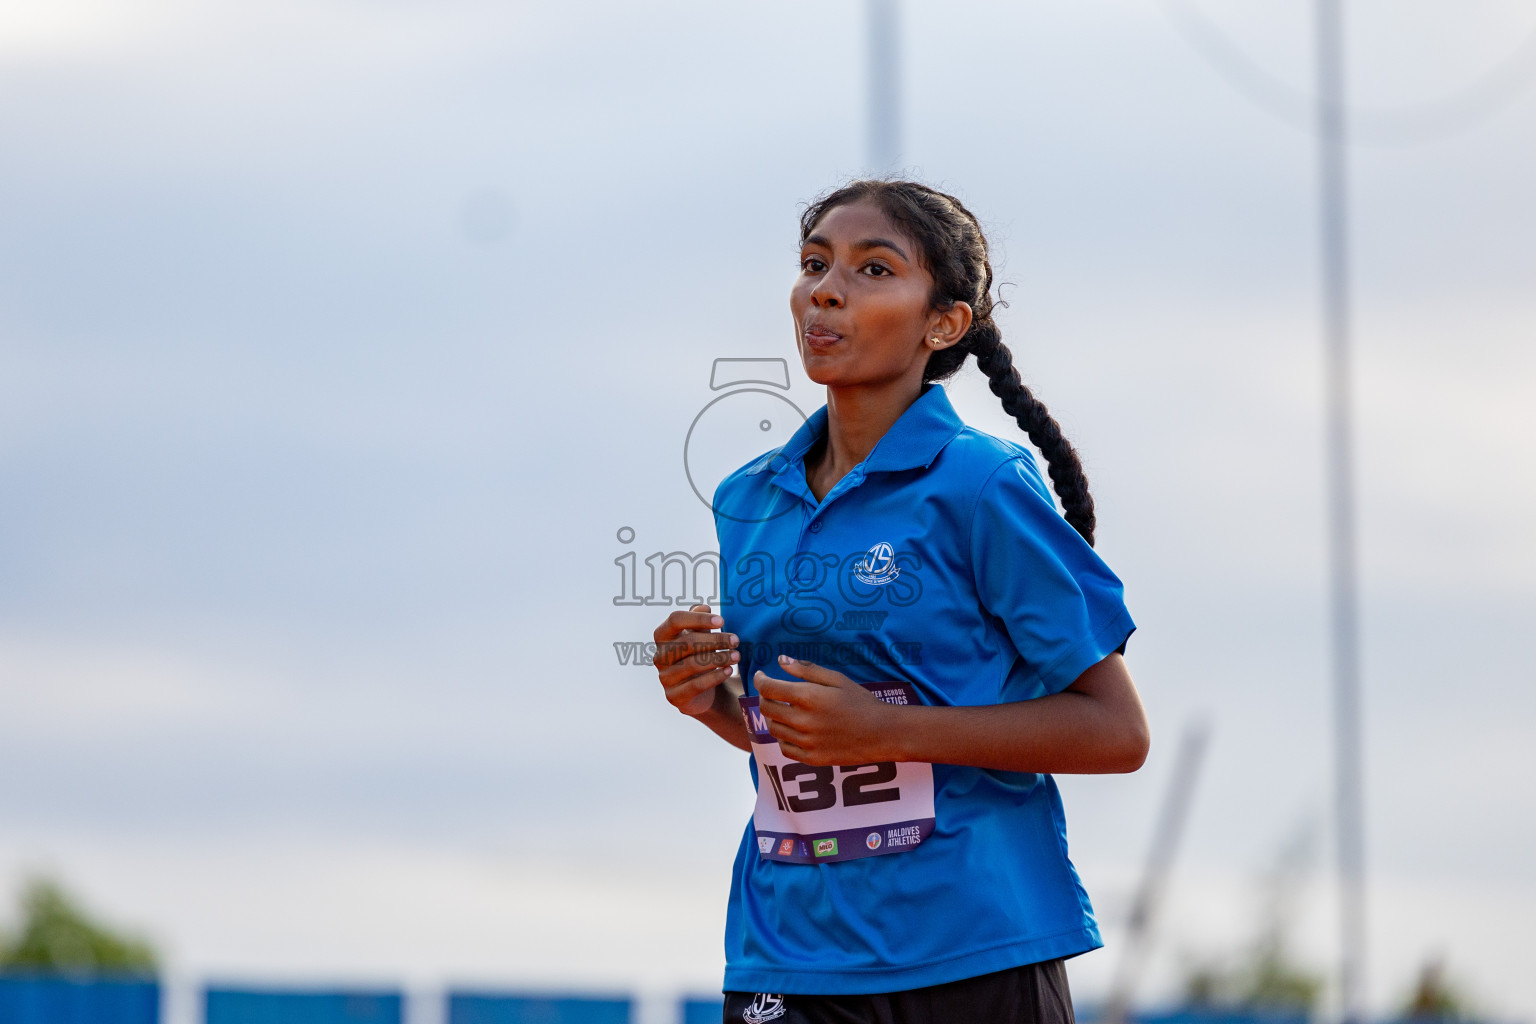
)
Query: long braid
[
  {"x": 1062, "y": 461},
  {"x": 954, "y": 249}
]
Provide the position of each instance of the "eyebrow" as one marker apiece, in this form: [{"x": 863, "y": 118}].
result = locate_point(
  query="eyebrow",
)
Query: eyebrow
[{"x": 867, "y": 243}]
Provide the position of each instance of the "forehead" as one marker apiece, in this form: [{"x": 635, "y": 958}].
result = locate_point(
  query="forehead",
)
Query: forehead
[{"x": 855, "y": 222}]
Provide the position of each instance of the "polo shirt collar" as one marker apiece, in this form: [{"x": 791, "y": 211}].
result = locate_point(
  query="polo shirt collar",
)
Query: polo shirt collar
[{"x": 912, "y": 442}]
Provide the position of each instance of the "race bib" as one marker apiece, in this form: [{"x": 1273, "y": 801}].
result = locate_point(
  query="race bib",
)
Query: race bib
[{"x": 816, "y": 815}]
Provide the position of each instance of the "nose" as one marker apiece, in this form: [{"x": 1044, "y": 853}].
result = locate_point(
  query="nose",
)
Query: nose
[{"x": 827, "y": 294}]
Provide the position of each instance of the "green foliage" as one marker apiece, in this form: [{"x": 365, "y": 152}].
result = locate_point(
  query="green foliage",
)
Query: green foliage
[
  {"x": 1275, "y": 982},
  {"x": 1434, "y": 998},
  {"x": 1267, "y": 980},
  {"x": 56, "y": 935},
  {"x": 1265, "y": 976}
]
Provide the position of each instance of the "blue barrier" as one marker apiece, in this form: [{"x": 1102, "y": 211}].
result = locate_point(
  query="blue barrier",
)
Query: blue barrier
[
  {"x": 287, "y": 1006},
  {"x": 41, "y": 999},
  {"x": 506, "y": 1008},
  {"x": 1232, "y": 1016},
  {"x": 1090, "y": 1014},
  {"x": 703, "y": 1009}
]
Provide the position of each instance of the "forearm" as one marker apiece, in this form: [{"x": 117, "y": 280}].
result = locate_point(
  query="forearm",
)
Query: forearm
[
  {"x": 724, "y": 716},
  {"x": 1063, "y": 733},
  {"x": 1095, "y": 727}
]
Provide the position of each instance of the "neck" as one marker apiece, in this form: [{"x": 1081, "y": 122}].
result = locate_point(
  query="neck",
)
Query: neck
[{"x": 858, "y": 417}]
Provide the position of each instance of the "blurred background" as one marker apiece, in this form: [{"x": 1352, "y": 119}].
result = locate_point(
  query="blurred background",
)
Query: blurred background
[{"x": 348, "y": 350}]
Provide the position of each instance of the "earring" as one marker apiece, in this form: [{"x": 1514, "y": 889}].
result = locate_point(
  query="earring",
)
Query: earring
[{"x": 934, "y": 342}]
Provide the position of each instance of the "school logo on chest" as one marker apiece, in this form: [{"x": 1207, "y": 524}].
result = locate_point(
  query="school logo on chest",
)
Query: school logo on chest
[{"x": 878, "y": 567}]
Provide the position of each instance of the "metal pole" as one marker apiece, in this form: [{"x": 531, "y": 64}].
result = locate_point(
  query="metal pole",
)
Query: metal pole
[
  {"x": 1344, "y": 595},
  {"x": 884, "y": 86},
  {"x": 1154, "y": 880}
]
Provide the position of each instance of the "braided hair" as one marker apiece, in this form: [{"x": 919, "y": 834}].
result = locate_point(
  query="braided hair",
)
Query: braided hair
[{"x": 954, "y": 251}]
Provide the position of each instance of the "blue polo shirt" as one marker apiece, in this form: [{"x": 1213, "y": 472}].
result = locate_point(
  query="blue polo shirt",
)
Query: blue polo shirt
[{"x": 993, "y": 598}]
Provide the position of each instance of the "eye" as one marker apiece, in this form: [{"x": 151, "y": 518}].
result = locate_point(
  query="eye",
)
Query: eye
[
  {"x": 813, "y": 264},
  {"x": 878, "y": 270}
]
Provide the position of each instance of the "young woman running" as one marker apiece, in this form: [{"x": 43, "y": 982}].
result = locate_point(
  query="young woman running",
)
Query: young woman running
[{"x": 921, "y": 639}]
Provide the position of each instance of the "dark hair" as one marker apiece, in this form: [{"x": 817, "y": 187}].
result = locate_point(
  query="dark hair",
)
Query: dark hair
[{"x": 954, "y": 251}]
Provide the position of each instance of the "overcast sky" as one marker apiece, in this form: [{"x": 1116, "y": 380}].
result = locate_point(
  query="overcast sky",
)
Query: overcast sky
[{"x": 338, "y": 341}]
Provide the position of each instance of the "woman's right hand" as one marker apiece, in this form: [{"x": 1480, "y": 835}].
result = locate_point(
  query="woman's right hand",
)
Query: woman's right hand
[{"x": 692, "y": 658}]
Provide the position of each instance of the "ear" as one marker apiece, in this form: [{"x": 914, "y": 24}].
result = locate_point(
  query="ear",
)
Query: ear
[{"x": 947, "y": 327}]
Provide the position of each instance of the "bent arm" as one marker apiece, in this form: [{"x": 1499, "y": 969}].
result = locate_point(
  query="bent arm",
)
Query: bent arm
[
  {"x": 1095, "y": 726},
  {"x": 724, "y": 716},
  {"x": 696, "y": 665}
]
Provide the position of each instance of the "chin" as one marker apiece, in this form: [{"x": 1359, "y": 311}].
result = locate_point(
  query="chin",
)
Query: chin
[{"x": 827, "y": 372}]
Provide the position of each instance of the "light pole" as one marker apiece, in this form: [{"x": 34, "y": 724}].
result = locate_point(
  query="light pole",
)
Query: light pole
[
  {"x": 884, "y": 128},
  {"x": 1344, "y": 600}
]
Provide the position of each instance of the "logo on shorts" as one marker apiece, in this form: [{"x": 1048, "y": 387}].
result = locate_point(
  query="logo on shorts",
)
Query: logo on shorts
[
  {"x": 765, "y": 1007},
  {"x": 764, "y": 844},
  {"x": 878, "y": 566},
  {"x": 826, "y": 847},
  {"x": 872, "y": 840},
  {"x": 787, "y": 848}
]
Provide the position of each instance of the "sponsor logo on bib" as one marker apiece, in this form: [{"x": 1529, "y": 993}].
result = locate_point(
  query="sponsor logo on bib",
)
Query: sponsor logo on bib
[
  {"x": 826, "y": 847},
  {"x": 786, "y": 848},
  {"x": 878, "y": 566},
  {"x": 872, "y": 840},
  {"x": 764, "y": 844}
]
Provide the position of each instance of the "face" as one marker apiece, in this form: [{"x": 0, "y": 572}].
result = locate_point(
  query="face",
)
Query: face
[{"x": 861, "y": 302}]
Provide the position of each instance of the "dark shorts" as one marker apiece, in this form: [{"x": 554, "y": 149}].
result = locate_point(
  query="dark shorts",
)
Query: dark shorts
[{"x": 1032, "y": 994}]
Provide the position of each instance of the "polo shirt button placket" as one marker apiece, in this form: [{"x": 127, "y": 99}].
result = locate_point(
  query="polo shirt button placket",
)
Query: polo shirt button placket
[{"x": 816, "y": 526}]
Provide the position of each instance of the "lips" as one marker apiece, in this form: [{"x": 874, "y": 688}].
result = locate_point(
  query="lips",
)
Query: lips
[{"x": 820, "y": 334}]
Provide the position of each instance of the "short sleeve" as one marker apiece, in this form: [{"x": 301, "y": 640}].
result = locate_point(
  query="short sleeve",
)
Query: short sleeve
[{"x": 1058, "y": 602}]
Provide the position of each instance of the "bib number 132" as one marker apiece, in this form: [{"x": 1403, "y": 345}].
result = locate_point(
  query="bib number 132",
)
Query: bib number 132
[
  {"x": 819, "y": 814},
  {"x": 817, "y": 790}
]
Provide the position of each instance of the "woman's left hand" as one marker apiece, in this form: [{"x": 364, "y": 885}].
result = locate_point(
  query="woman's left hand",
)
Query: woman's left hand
[{"x": 822, "y": 717}]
